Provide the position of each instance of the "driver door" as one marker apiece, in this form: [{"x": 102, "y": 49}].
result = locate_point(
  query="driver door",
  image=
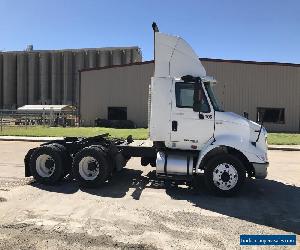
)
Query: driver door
[{"x": 190, "y": 130}]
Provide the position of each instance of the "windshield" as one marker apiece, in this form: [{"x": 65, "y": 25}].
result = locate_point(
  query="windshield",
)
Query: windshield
[{"x": 212, "y": 97}]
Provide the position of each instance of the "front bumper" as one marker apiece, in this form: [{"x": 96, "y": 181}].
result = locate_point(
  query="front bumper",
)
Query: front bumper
[{"x": 260, "y": 170}]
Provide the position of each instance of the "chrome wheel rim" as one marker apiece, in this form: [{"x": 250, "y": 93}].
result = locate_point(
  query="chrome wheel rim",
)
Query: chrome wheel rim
[
  {"x": 225, "y": 176},
  {"x": 45, "y": 166},
  {"x": 89, "y": 168}
]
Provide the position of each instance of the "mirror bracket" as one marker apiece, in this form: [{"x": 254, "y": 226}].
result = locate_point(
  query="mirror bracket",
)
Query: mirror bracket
[{"x": 196, "y": 101}]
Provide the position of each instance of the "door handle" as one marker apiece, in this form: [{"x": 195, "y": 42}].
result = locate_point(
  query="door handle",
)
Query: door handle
[
  {"x": 174, "y": 125},
  {"x": 201, "y": 116}
]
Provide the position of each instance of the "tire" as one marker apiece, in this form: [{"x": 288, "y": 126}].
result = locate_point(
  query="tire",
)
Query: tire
[
  {"x": 67, "y": 159},
  {"x": 47, "y": 165},
  {"x": 91, "y": 167},
  {"x": 224, "y": 175}
]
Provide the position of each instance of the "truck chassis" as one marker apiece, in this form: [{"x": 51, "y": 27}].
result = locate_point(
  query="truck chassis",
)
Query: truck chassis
[{"x": 92, "y": 161}]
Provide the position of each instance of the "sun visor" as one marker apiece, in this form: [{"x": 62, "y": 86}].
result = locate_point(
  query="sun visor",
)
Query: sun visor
[{"x": 174, "y": 57}]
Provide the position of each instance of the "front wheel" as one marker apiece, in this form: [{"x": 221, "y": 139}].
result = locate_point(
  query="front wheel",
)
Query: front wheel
[{"x": 224, "y": 175}]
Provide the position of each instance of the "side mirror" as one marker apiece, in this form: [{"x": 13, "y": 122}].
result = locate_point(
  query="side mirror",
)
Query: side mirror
[{"x": 246, "y": 115}]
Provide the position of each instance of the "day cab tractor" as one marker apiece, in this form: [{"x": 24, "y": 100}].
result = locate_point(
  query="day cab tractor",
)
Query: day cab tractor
[{"x": 190, "y": 133}]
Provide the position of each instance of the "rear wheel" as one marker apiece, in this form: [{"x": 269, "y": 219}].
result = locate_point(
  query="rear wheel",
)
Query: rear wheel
[
  {"x": 46, "y": 165},
  {"x": 91, "y": 167},
  {"x": 67, "y": 159},
  {"x": 224, "y": 175}
]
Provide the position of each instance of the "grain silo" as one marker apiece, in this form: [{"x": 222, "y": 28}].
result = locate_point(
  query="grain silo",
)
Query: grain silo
[
  {"x": 56, "y": 77},
  {"x": 67, "y": 77},
  {"x": 33, "y": 78},
  {"x": 9, "y": 80},
  {"x": 22, "y": 79},
  {"x": 1, "y": 81},
  {"x": 45, "y": 77},
  {"x": 50, "y": 76}
]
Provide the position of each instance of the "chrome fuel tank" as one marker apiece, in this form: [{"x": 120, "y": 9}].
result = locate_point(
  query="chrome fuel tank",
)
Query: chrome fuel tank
[{"x": 174, "y": 164}]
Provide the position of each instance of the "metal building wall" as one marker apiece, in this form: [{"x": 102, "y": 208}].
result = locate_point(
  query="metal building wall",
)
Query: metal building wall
[
  {"x": 246, "y": 86},
  {"x": 241, "y": 87},
  {"x": 51, "y": 76},
  {"x": 124, "y": 86}
]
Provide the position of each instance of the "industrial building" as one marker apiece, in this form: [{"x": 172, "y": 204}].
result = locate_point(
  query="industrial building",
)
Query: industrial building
[
  {"x": 51, "y": 76},
  {"x": 113, "y": 83},
  {"x": 121, "y": 92}
]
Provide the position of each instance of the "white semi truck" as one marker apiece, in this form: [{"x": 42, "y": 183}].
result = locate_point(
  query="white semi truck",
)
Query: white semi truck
[{"x": 190, "y": 132}]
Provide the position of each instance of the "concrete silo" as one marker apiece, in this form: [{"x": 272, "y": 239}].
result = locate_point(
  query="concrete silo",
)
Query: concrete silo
[
  {"x": 91, "y": 59},
  {"x": 104, "y": 58},
  {"x": 116, "y": 57},
  {"x": 9, "y": 80},
  {"x": 136, "y": 55},
  {"x": 45, "y": 77},
  {"x": 56, "y": 78},
  {"x": 33, "y": 78},
  {"x": 79, "y": 64},
  {"x": 127, "y": 56},
  {"x": 22, "y": 79},
  {"x": 67, "y": 77},
  {"x": 1, "y": 81}
]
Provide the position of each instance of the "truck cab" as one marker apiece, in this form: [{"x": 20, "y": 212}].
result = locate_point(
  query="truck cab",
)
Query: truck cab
[{"x": 193, "y": 132}]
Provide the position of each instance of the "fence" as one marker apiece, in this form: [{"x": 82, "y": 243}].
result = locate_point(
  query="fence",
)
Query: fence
[{"x": 15, "y": 119}]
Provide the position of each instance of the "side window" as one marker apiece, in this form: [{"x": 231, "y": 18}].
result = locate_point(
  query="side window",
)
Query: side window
[
  {"x": 272, "y": 115},
  {"x": 184, "y": 96}
]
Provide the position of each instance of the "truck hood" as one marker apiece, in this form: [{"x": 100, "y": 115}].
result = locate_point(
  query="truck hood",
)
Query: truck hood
[
  {"x": 239, "y": 125},
  {"x": 237, "y": 119},
  {"x": 174, "y": 57},
  {"x": 231, "y": 117}
]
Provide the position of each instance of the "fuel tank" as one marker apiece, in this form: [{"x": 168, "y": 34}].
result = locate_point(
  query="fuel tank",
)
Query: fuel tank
[{"x": 174, "y": 164}]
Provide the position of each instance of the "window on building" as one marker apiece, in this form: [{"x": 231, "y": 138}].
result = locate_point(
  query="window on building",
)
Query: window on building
[
  {"x": 273, "y": 115},
  {"x": 117, "y": 113},
  {"x": 185, "y": 96}
]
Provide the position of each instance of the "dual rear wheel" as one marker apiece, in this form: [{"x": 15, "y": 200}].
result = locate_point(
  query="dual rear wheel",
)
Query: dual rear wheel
[
  {"x": 50, "y": 163},
  {"x": 91, "y": 166}
]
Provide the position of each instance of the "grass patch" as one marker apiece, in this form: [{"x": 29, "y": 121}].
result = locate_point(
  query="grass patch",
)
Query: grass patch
[
  {"x": 138, "y": 134},
  {"x": 283, "y": 139}
]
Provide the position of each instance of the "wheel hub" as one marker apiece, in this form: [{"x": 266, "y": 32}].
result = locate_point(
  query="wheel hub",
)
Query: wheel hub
[
  {"x": 89, "y": 168},
  {"x": 92, "y": 166},
  {"x": 225, "y": 176},
  {"x": 49, "y": 164},
  {"x": 45, "y": 165}
]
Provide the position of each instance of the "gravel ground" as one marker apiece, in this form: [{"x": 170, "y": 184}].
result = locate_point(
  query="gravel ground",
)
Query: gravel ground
[{"x": 135, "y": 211}]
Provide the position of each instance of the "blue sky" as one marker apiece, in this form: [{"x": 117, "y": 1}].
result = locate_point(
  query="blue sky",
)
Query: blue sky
[{"x": 260, "y": 30}]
